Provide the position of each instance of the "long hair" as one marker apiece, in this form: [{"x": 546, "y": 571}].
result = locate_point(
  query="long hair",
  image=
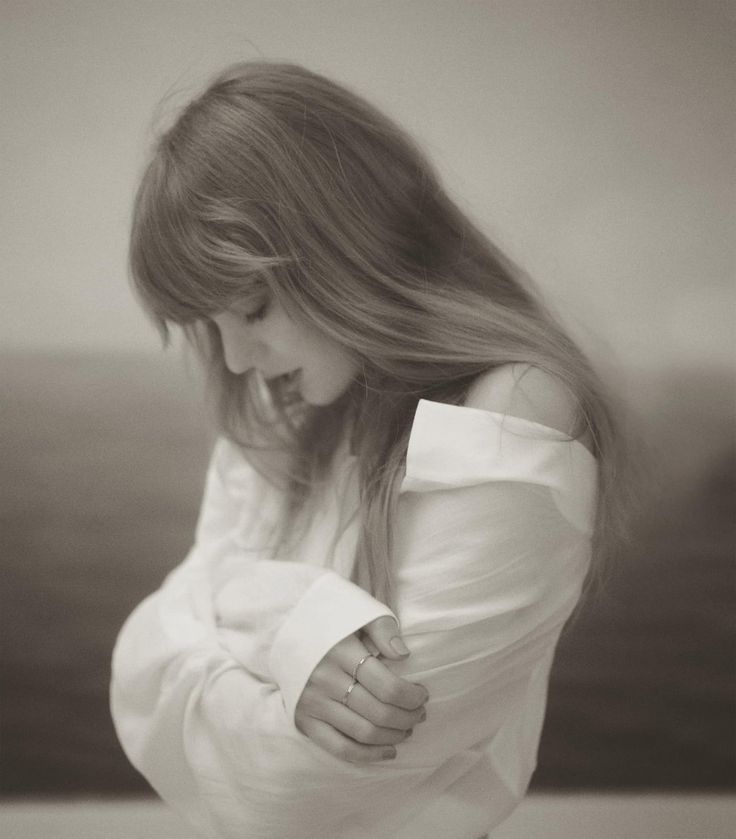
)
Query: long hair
[{"x": 277, "y": 177}]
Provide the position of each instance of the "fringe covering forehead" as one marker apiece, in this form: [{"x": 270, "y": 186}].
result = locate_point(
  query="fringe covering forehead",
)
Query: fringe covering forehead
[{"x": 192, "y": 255}]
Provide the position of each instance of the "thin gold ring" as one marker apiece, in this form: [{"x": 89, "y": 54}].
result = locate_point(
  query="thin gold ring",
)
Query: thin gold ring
[
  {"x": 355, "y": 669},
  {"x": 349, "y": 691}
]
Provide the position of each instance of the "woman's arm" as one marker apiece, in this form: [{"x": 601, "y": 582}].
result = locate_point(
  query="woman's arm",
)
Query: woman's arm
[
  {"x": 223, "y": 607},
  {"x": 212, "y": 738},
  {"x": 486, "y": 574},
  {"x": 248, "y": 596}
]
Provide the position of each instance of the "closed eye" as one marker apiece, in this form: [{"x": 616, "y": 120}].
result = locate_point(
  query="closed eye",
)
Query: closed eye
[{"x": 258, "y": 314}]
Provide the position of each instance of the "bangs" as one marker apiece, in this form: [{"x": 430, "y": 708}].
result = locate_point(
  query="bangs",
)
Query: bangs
[{"x": 191, "y": 256}]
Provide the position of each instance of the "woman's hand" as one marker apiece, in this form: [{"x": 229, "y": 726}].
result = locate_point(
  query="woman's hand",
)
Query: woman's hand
[{"x": 382, "y": 708}]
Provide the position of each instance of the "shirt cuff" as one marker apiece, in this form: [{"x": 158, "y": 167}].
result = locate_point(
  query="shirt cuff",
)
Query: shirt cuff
[{"x": 331, "y": 609}]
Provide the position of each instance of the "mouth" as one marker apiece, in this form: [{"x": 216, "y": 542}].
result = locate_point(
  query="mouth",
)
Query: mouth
[{"x": 290, "y": 378}]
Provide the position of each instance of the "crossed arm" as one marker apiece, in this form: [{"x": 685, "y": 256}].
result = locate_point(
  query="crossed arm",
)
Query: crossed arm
[{"x": 206, "y": 684}]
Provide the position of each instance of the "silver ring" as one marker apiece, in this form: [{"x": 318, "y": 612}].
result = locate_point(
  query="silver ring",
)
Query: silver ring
[
  {"x": 355, "y": 669},
  {"x": 349, "y": 691}
]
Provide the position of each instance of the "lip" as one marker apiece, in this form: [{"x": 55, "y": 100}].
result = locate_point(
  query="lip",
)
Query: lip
[{"x": 287, "y": 374}]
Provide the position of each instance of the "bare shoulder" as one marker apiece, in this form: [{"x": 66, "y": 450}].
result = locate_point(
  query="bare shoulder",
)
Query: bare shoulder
[{"x": 527, "y": 392}]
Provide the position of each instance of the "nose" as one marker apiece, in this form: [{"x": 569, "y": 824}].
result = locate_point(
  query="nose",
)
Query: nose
[{"x": 240, "y": 350}]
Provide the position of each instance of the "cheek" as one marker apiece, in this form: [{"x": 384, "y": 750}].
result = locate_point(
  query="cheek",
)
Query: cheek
[
  {"x": 326, "y": 375},
  {"x": 339, "y": 370},
  {"x": 238, "y": 355},
  {"x": 326, "y": 364},
  {"x": 349, "y": 367},
  {"x": 287, "y": 339}
]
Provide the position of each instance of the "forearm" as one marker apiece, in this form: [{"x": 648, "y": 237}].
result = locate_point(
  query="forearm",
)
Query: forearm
[
  {"x": 216, "y": 742},
  {"x": 214, "y": 738}
]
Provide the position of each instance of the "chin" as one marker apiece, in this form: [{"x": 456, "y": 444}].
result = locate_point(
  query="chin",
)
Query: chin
[
  {"x": 320, "y": 401},
  {"x": 321, "y": 397}
]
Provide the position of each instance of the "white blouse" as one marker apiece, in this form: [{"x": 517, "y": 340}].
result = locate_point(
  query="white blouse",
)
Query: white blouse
[{"x": 492, "y": 543}]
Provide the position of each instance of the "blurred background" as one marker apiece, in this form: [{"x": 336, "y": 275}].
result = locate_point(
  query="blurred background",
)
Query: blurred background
[{"x": 592, "y": 140}]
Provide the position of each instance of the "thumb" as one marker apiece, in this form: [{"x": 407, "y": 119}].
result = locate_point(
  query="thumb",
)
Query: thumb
[{"x": 384, "y": 632}]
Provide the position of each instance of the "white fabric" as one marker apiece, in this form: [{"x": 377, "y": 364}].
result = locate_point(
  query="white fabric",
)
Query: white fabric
[{"x": 491, "y": 547}]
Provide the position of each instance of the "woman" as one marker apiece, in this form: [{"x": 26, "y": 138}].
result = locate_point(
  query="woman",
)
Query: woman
[{"x": 415, "y": 466}]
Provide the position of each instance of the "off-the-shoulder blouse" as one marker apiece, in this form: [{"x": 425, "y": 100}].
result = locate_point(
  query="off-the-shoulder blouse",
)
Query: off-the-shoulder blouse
[{"x": 492, "y": 544}]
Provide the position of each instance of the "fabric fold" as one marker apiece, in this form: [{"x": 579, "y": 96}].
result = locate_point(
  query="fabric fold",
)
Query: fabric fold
[
  {"x": 491, "y": 548},
  {"x": 330, "y": 610},
  {"x": 452, "y": 445}
]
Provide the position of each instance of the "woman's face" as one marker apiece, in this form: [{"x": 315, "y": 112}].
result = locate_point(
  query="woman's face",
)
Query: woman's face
[{"x": 268, "y": 339}]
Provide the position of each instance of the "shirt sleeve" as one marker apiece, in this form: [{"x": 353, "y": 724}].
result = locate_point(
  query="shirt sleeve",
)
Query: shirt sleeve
[
  {"x": 276, "y": 618},
  {"x": 489, "y": 560}
]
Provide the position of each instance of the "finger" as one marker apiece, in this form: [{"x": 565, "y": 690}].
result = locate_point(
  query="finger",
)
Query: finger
[
  {"x": 375, "y": 676},
  {"x": 330, "y": 681},
  {"x": 383, "y": 714},
  {"x": 370, "y": 646},
  {"x": 384, "y": 632},
  {"x": 342, "y": 747},
  {"x": 390, "y": 688},
  {"x": 347, "y": 722}
]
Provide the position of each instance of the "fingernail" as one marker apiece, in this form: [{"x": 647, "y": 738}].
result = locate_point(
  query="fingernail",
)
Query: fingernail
[
  {"x": 423, "y": 716},
  {"x": 398, "y": 646},
  {"x": 389, "y": 754}
]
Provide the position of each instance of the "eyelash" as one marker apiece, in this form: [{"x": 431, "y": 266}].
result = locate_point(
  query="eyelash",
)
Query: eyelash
[{"x": 259, "y": 314}]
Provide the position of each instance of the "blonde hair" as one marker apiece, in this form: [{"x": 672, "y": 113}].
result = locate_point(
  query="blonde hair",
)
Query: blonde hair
[{"x": 276, "y": 176}]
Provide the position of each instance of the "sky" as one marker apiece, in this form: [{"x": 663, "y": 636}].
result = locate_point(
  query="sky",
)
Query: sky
[{"x": 592, "y": 140}]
